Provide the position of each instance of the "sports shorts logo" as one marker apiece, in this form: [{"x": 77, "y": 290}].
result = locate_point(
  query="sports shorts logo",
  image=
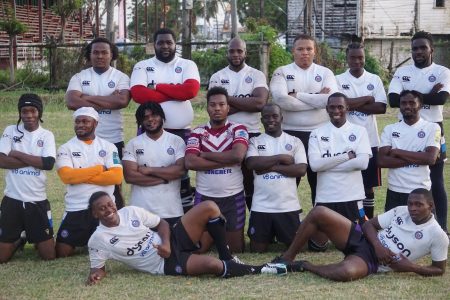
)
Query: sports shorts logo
[
  {"x": 418, "y": 235},
  {"x": 40, "y": 143},
  {"x": 290, "y": 77},
  {"x": 248, "y": 79},
  {"x": 396, "y": 134},
  {"x": 224, "y": 81},
  {"x": 325, "y": 138},
  {"x": 370, "y": 87},
  {"x": 64, "y": 233},
  {"x": 76, "y": 154},
  {"x": 421, "y": 134},
  {"x": 352, "y": 137},
  {"x": 178, "y": 70},
  {"x": 150, "y": 69},
  {"x": 135, "y": 223},
  {"x": 346, "y": 86},
  {"x": 86, "y": 82},
  {"x": 261, "y": 147},
  {"x": 406, "y": 78},
  {"x": 102, "y": 153},
  {"x": 252, "y": 230},
  {"x": 170, "y": 151},
  {"x": 288, "y": 147},
  {"x": 111, "y": 84},
  {"x": 432, "y": 78},
  {"x": 318, "y": 78},
  {"x": 178, "y": 269},
  {"x": 139, "y": 151}
]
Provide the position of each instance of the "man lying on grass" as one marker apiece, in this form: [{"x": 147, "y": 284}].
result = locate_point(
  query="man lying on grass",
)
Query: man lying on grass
[
  {"x": 145, "y": 242},
  {"x": 388, "y": 242}
]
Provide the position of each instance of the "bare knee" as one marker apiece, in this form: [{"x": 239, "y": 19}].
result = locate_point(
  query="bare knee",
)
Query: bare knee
[
  {"x": 214, "y": 266},
  {"x": 318, "y": 212},
  {"x": 350, "y": 273},
  {"x": 210, "y": 208},
  {"x": 47, "y": 250},
  {"x": 64, "y": 250},
  {"x": 6, "y": 252}
]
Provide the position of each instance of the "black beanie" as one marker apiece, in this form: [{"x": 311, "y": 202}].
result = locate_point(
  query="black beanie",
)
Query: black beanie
[{"x": 30, "y": 100}]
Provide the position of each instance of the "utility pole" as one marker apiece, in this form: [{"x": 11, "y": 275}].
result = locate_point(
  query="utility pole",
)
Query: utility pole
[{"x": 186, "y": 35}]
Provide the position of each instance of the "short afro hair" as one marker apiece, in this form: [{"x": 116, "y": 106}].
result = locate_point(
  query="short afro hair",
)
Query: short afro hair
[
  {"x": 112, "y": 47},
  {"x": 423, "y": 35},
  {"x": 164, "y": 31}
]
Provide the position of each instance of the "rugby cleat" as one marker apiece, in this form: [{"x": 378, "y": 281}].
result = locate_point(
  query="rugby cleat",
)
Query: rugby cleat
[
  {"x": 276, "y": 269},
  {"x": 291, "y": 266}
]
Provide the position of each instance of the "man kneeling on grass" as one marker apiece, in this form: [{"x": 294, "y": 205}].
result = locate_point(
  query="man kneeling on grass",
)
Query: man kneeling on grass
[
  {"x": 145, "y": 242},
  {"x": 388, "y": 242}
]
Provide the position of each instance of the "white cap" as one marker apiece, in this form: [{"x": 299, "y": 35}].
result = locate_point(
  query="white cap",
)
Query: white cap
[{"x": 86, "y": 111}]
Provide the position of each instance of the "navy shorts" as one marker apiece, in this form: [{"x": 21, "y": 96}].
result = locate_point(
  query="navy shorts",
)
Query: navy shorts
[
  {"x": 181, "y": 249},
  {"x": 33, "y": 217},
  {"x": 263, "y": 227},
  {"x": 76, "y": 228},
  {"x": 352, "y": 210},
  {"x": 372, "y": 175},
  {"x": 232, "y": 208},
  {"x": 394, "y": 199},
  {"x": 358, "y": 245}
]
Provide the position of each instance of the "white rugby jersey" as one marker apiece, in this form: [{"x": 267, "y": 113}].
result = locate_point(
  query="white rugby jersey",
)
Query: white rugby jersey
[
  {"x": 339, "y": 184},
  {"x": 131, "y": 242},
  {"x": 241, "y": 84},
  {"x": 221, "y": 182},
  {"x": 77, "y": 154},
  {"x": 274, "y": 192},
  {"x": 163, "y": 199},
  {"x": 27, "y": 184},
  {"x": 309, "y": 113},
  {"x": 179, "y": 114},
  {"x": 89, "y": 82},
  {"x": 401, "y": 235},
  {"x": 422, "y": 80},
  {"x": 367, "y": 84},
  {"x": 417, "y": 138}
]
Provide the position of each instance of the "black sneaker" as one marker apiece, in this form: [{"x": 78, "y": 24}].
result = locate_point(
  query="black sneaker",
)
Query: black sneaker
[{"x": 291, "y": 266}]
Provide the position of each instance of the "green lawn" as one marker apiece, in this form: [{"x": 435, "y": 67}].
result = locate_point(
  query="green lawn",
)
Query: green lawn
[{"x": 26, "y": 277}]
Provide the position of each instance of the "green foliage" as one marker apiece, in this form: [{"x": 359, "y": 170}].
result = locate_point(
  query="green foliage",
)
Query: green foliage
[
  {"x": 32, "y": 77},
  {"x": 13, "y": 27},
  {"x": 209, "y": 62},
  {"x": 65, "y": 8},
  {"x": 274, "y": 12},
  {"x": 137, "y": 53},
  {"x": 373, "y": 65},
  {"x": 125, "y": 63}
]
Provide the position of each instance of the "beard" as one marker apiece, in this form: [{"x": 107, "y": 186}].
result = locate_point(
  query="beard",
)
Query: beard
[
  {"x": 156, "y": 130},
  {"x": 165, "y": 59}
]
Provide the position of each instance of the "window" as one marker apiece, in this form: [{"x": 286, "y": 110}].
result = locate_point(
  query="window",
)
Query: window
[{"x": 439, "y": 3}]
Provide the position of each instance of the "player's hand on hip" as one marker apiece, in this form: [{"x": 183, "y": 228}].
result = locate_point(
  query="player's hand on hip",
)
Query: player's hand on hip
[
  {"x": 384, "y": 255},
  {"x": 163, "y": 250}
]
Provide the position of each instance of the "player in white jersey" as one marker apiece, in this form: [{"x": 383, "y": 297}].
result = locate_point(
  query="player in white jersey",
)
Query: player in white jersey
[
  {"x": 395, "y": 239},
  {"x": 171, "y": 81},
  {"x": 86, "y": 164},
  {"x": 366, "y": 98},
  {"x": 106, "y": 89},
  {"x": 26, "y": 151},
  {"x": 277, "y": 158},
  {"x": 433, "y": 81},
  {"x": 301, "y": 89},
  {"x": 408, "y": 148},
  {"x": 216, "y": 151},
  {"x": 247, "y": 93},
  {"x": 153, "y": 163},
  {"x": 147, "y": 243}
]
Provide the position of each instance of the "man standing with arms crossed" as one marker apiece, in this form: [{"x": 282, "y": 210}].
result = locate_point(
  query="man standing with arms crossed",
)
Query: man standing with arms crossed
[
  {"x": 301, "y": 89},
  {"x": 366, "y": 98},
  {"x": 171, "y": 81},
  {"x": 106, "y": 90},
  {"x": 433, "y": 81},
  {"x": 247, "y": 93}
]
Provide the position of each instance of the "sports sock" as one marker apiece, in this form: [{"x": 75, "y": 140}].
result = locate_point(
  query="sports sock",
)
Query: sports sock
[
  {"x": 216, "y": 228},
  {"x": 233, "y": 269},
  {"x": 369, "y": 207}
]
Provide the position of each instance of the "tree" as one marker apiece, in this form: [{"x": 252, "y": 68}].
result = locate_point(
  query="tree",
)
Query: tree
[
  {"x": 13, "y": 28},
  {"x": 65, "y": 9},
  {"x": 273, "y": 11}
]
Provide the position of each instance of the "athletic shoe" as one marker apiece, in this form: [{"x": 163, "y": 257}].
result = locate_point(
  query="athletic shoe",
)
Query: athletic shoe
[
  {"x": 291, "y": 266},
  {"x": 237, "y": 260},
  {"x": 276, "y": 269},
  {"x": 21, "y": 242}
]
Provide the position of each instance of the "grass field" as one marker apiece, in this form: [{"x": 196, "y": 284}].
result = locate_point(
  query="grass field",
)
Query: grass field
[{"x": 27, "y": 277}]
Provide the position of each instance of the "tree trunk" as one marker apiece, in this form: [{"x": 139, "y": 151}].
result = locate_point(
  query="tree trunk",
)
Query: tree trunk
[
  {"x": 12, "y": 78},
  {"x": 110, "y": 20},
  {"x": 62, "y": 34}
]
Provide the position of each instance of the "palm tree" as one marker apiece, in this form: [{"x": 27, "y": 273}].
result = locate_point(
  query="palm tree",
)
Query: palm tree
[{"x": 65, "y": 9}]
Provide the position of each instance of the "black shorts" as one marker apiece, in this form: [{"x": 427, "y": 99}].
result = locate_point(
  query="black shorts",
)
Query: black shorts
[
  {"x": 172, "y": 221},
  {"x": 232, "y": 208},
  {"x": 352, "y": 210},
  {"x": 76, "y": 228},
  {"x": 394, "y": 199},
  {"x": 358, "y": 245},
  {"x": 263, "y": 227},
  {"x": 372, "y": 175},
  {"x": 181, "y": 249},
  {"x": 120, "y": 146},
  {"x": 33, "y": 217}
]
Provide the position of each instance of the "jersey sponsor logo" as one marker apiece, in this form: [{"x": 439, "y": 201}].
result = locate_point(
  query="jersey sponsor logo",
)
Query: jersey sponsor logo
[
  {"x": 114, "y": 240},
  {"x": 104, "y": 112},
  {"x": 273, "y": 176},
  {"x": 261, "y": 147},
  {"x": 178, "y": 70},
  {"x": 76, "y": 154},
  {"x": 242, "y": 96},
  {"x": 86, "y": 82},
  {"x": 40, "y": 143},
  {"x": 396, "y": 134},
  {"x": 400, "y": 246},
  {"x": 138, "y": 245},
  {"x": 102, "y": 153},
  {"x": 35, "y": 172},
  {"x": 218, "y": 172},
  {"x": 193, "y": 142},
  {"x": 150, "y": 69},
  {"x": 432, "y": 78},
  {"x": 170, "y": 151},
  {"x": 111, "y": 84},
  {"x": 418, "y": 235},
  {"x": 135, "y": 223},
  {"x": 64, "y": 233},
  {"x": 116, "y": 158},
  {"x": 325, "y": 138},
  {"x": 328, "y": 154},
  {"x": 139, "y": 151},
  {"x": 224, "y": 81},
  {"x": 288, "y": 147},
  {"x": 290, "y": 77},
  {"x": 421, "y": 134},
  {"x": 318, "y": 78},
  {"x": 370, "y": 87},
  {"x": 17, "y": 139},
  {"x": 151, "y": 84},
  {"x": 357, "y": 113},
  {"x": 345, "y": 86},
  {"x": 352, "y": 137},
  {"x": 406, "y": 78},
  {"x": 248, "y": 79}
]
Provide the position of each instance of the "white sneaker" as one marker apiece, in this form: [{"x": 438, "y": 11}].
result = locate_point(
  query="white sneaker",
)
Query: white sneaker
[{"x": 276, "y": 269}]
